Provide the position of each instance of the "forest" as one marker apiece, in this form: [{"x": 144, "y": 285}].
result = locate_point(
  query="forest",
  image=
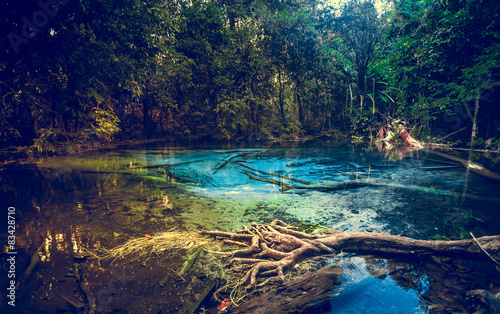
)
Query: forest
[
  {"x": 85, "y": 73},
  {"x": 215, "y": 156}
]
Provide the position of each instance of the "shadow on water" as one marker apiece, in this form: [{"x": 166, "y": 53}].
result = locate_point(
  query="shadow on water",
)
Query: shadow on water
[{"x": 99, "y": 200}]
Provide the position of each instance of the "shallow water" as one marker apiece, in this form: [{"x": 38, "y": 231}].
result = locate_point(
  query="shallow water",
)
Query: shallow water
[{"x": 102, "y": 199}]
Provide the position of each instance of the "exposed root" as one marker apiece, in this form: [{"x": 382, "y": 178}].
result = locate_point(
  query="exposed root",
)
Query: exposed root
[
  {"x": 158, "y": 243},
  {"x": 276, "y": 248}
]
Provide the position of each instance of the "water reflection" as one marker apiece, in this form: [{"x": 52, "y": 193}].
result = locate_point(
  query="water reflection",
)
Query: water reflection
[
  {"x": 78, "y": 203},
  {"x": 371, "y": 288}
]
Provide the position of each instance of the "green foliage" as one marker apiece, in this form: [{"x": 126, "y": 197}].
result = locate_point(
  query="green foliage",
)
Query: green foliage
[
  {"x": 64, "y": 83},
  {"x": 229, "y": 121},
  {"x": 243, "y": 70},
  {"x": 439, "y": 55},
  {"x": 106, "y": 124}
]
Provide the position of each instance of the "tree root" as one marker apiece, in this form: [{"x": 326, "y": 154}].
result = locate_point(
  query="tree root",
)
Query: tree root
[{"x": 274, "y": 249}]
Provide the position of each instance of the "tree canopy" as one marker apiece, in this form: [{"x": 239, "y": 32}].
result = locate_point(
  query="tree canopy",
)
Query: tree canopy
[{"x": 96, "y": 71}]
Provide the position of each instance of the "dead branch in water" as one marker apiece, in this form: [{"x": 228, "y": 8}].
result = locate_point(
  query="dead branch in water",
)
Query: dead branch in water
[
  {"x": 274, "y": 174},
  {"x": 366, "y": 182}
]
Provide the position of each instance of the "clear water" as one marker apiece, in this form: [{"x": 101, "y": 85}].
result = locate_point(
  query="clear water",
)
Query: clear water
[
  {"x": 101, "y": 199},
  {"x": 361, "y": 292}
]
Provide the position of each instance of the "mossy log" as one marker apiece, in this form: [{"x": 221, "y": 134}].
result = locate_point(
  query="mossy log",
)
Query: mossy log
[{"x": 189, "y": 262}]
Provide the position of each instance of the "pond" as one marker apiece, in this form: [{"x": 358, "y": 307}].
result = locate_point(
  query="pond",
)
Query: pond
[{"x": 70, "y": 205}]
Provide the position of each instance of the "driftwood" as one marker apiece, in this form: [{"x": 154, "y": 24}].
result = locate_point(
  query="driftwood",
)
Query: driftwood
[{"x": 273, "y": 249}]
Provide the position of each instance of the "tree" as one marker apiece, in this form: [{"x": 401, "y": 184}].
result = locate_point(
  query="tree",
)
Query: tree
[
  {"x": 270, "y": 251},
  {"x": 438, "y": 56},
  {"x": 64, "y": 75}
]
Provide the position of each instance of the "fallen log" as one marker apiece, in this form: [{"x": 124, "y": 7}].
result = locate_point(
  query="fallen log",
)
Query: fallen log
[
  {"x": 438, "y": 167},
  {"x": 272, "y": 250},
  {"x": 473, "y": 166},
  {"x": 284, "y": 186},
  {"x": 224, "y": 162}
]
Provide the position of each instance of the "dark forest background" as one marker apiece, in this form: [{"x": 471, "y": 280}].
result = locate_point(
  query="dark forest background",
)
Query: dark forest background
[{"x": 86, "y": 71}]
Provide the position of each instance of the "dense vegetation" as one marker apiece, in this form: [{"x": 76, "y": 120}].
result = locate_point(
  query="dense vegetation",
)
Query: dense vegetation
[{"x": 96, "y": 71}]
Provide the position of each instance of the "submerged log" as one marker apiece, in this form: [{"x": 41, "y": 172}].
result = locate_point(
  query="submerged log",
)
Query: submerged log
[
  {"x": 189, "y": 262},
  {"x": 367, "y": 182},
  {"x": 224, "y": 162},
  {"x": 274, "y": 174},
  {"x": 308, "y": 294},
  {"x": 35, "y": 258}
]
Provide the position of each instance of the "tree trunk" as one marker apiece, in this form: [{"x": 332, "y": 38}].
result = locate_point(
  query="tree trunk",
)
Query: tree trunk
[
  {"x": 474, "y": 121},
  {"x": 281, "y": 101},
  {"x": 477, "y": 168},
  {"x": 145, "y": 115},
  {"x": 299, "y": 106}
]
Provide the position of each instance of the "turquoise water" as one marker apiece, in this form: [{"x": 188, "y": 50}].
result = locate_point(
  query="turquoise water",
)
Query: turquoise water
[
  {"x": 101, "y": 199},
  {"x": 361, "y": 292}
]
